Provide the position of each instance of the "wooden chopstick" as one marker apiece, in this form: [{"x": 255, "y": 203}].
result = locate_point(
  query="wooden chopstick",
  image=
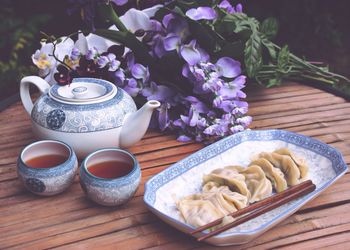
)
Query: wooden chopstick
[
  {"x": 256, "y": 205},
  {"x": 262, "y": 210}
]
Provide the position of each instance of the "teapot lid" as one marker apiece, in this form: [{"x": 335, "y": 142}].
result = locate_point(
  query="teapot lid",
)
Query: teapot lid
[{"x": 83, "y": 91}]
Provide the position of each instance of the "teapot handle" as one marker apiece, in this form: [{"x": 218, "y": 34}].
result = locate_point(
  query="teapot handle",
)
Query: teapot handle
[{"x": 40, "y": 83}]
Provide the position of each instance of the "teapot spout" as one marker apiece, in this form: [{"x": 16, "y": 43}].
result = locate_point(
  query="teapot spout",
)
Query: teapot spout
[{"x": 135, "y": 125}]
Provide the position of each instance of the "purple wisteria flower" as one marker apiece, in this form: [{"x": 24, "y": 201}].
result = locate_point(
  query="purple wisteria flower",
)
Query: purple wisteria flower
[
  {"x": 226, "y": 5},
  {"x": 163, "y": 116},
  {"x": 184, "y": 138},
  {"x": 133, "y": 77},
  {"x": 167, "y": 35},
  {"x": 139, "y": 71},
  {"x": 221, "y": 84},
  {"x": 197, "y": 104},
  {"x": 171, "y": 42},
  {"x": 119, "y": 2},
  {"x": 158, "y": 92},
  {"x": 135, "y": 80},
  {"x": 201, "y": 13},
  {"x": 176, "y": 25},
  {"x": 75, "y": 54},
  {"x": 108, "y": 60},
  {"x": 190, "y": 53},
  {"x": 228, "y": 67},
  {"x": 132, "y": 87},
  {"x": 125, "y": 80},
  {"x": 166, "y": 96},
  {"x": 91, "y": 54},
  {"x": 202, "y": 98}
]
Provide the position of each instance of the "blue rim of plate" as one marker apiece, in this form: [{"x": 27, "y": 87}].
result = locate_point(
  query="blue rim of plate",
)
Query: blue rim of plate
[{"x": 338, "y": 164}]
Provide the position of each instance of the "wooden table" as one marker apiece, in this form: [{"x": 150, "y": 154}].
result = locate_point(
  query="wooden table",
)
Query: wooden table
[{"x": 69, "y": 220}]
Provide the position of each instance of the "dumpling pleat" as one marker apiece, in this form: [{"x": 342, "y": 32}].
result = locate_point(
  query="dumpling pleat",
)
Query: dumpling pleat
[
  {"x": 303, "y": 168},
  {"x": 286, "y": 164},
  {"x": 274, "y": 174},
  {"x": 230, "y": 178},
  {"x": 258, "y": 185}
]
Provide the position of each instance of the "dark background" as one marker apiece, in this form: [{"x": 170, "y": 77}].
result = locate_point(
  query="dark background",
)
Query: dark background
[{"x": 316, "y": 29}]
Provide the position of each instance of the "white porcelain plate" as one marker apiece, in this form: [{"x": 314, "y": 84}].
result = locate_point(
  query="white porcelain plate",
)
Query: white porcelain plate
[{"x": 185, "y": 177}]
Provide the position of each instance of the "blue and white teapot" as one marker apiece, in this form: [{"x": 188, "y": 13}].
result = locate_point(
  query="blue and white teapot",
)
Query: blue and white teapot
[{"x": 88, "y": 114}]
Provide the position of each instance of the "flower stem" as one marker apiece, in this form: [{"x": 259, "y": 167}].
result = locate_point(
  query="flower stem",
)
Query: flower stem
[
  {"x": 56, "y": 58},
  {"x": 107, "y": 11},
  {"x": 316, "y": 70},
  {"x": 129, "y": 40}
]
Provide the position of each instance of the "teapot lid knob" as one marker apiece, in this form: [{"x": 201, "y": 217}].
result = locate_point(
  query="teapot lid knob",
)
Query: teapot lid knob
[
  {"x": 84, "y": 91},
  {"x": 79, "y": 92}
]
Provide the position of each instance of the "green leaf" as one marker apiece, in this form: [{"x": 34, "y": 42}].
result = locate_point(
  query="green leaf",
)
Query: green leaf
[
  {"x": 269, "y": 46},
  {"x": 269, "y": 27},
  {"x": 252, "y": 55},
  {"x": 242, "y": 26},
  {"x": 128, "y": 39},
  {"x": 161, "y": 13},
  {"x": 186, "y": 4},
  {"x": 107, "y": 12},
  {"x": 179, "y": 11},
  {"x": 274, "y": 82},
  {"x": 205, "y": 36},
  {"x": 239, "y": 22},
  {"x": 283, "y": 59},
  {"x": 325, "y": 68}
]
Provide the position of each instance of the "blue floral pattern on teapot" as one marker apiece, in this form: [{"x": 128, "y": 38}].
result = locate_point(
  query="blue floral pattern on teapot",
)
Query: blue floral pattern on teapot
[{"x": 76, "y": 118}]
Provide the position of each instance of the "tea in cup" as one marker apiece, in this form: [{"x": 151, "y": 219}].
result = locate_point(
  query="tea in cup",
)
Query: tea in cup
[
  {"x": 47, "y": 167},
  {"x": 110, "y": 176}
]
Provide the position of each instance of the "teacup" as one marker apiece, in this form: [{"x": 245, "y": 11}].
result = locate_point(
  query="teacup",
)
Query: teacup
[
  {"x": 47, "y": 167},
  {"x": 110, "y": 176}
]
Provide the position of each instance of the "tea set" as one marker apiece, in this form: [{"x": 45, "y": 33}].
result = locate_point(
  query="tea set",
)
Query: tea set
[
  {"x": 88, "y": 114},
  {"x": 89, "y": 119}
]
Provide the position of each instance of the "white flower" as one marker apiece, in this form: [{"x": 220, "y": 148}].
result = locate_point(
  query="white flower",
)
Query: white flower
[
  {"x": 150, "y": 12},
  {"x": 81, "y": 44},
  {"x": 41, "y": 57},
  {"x": 44, "y": 60},
  {"x": 91, "y": 41},
  {"x": 135, "y": 19}
]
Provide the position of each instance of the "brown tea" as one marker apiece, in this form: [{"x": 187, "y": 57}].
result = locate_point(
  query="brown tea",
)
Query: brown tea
[
  {"x": 46, "y": 161},
  {"x": 110, "y": 169}
]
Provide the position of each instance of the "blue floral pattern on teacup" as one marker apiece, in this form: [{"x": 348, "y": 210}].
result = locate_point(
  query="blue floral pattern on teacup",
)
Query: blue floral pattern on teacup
[
  {"x": 48, "y": 181},
  {"x": 35, "y": 185},
  {"x": 110, "y": 192}
]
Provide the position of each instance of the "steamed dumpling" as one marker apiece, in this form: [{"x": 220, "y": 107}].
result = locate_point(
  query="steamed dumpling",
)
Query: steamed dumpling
[
  {"x": 230, "y": 178},
  {"x": 286, "y": 164},
  {"x": 210, "y": 185},
  {"x": 259, "y": 186},
  {"x": 217, "y": 199},
  {"x": 200, "y": 209},
  {"x": 303, "y": 168},
  {"x": 198, "y": 212},
  {"x": 274, "y": 174},
  {"x": 225, "y": 196}
]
